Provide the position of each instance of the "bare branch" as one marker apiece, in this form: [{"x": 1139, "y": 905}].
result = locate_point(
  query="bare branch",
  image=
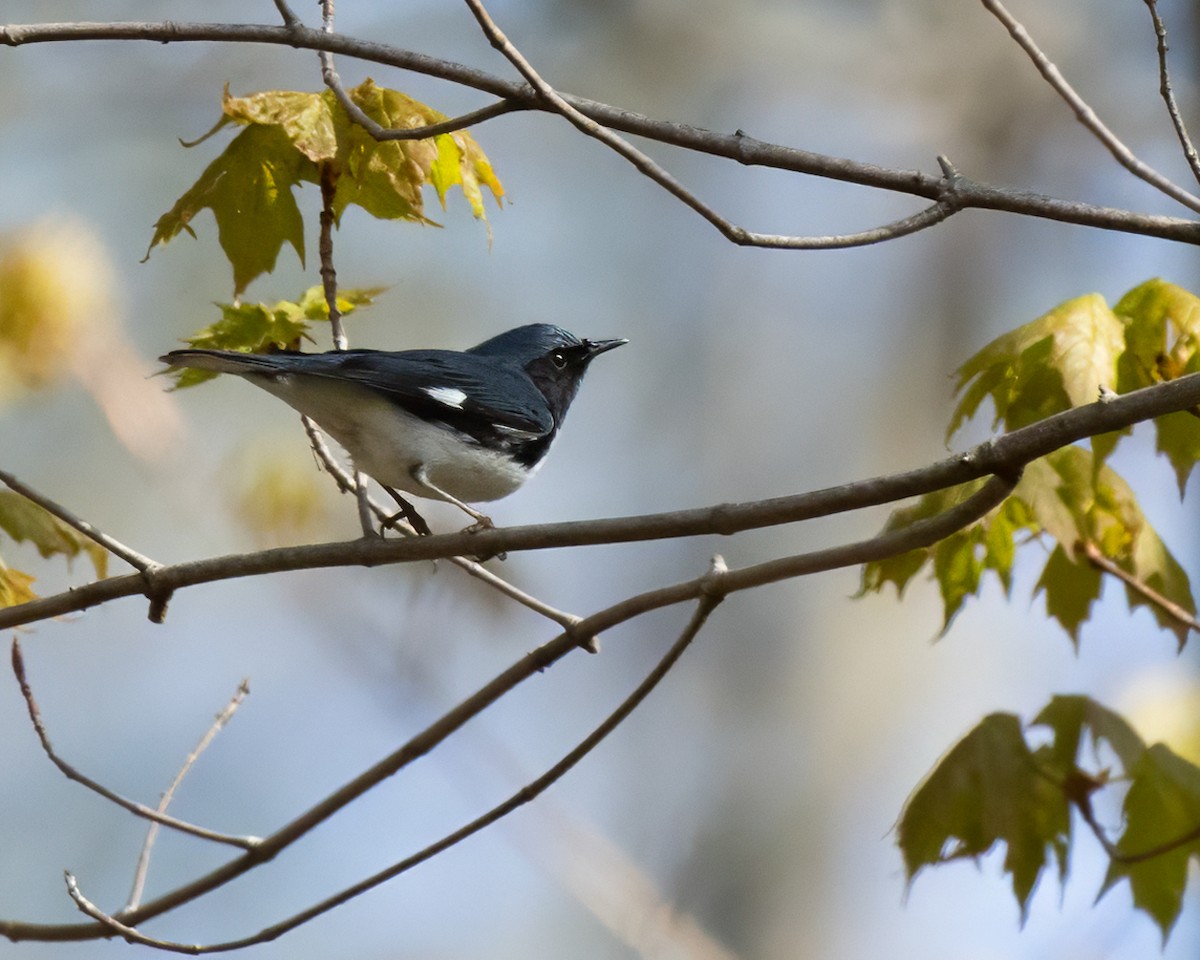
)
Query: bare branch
[
  {"x": 1168, "y": 95},
  {"x": 745, "y": 149},
  {"x": 650, "y": 168},
  {"x": 708, "y": 601},
  {"x": 715, "y": 584},
  {"x": 218, "y": 724},
  {"x": 1085, "y": 114},
  {"x": 137, "y": 809},
  {"x": 289, "y": 17}
]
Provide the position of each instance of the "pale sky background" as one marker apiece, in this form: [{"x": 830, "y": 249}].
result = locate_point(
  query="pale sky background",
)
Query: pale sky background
[{"x": 758, "y": 787}]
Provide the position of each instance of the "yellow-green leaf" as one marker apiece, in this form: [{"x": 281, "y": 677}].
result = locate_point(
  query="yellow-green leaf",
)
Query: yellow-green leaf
[
  {"x": 23, "y": 520},
  {"x": 290, "y": 138},
  {"x": 261, "y": 328},
  {"x": 1162, "y": 815},
  {"x": 249, "y": 190},
  {"x": 14, "y": 587},
  {"x": 1060, "y": 360}
]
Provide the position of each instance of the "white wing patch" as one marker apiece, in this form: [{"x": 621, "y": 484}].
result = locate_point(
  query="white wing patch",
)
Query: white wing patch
[{"x": 450, "y": 396}]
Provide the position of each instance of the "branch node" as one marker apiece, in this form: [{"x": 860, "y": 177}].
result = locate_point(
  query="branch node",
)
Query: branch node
[
  {"x": 949, "y": 171},
  {"x": 158, "y": 594},
  {"x": 712, "y": 584}
]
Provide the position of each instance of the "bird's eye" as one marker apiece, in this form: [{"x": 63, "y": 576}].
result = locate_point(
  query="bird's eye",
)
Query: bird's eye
[{"x": 559, "y": 359}]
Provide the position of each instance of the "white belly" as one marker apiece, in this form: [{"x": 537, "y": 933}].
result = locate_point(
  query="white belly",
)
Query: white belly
[{"x": 389, "y": 444}]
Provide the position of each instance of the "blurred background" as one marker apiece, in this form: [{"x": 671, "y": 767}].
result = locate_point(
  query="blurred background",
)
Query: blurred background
[{"x": 757, "y": 789}]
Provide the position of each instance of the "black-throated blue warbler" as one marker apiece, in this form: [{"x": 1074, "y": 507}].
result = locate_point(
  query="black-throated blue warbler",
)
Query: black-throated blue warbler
[{"x": 463, "y": 427}]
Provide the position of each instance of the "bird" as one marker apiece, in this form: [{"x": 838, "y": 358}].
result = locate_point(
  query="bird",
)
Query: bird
[{"x": 458, "y": 426}]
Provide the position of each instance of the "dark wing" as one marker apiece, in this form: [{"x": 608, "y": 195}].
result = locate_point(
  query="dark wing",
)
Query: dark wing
[{"x": 482, "y": 397}]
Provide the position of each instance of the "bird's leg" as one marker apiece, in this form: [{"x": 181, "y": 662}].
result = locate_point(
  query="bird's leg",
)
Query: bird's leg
[
  {"x": 482, "y": 522},
  {"x": 409, "y": 513}
]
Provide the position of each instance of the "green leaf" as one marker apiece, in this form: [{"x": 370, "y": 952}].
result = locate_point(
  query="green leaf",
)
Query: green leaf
[
  {"x": 958, "y": 567},
  {"x": 23, "y": 520},
  {"x": 1070, "y": 716},
  {"x": 290, "y": 138},
  {"x": 899, "y": 570},
  {"x": 262, "y": 328},
  {"x": 1071, "y": 588},
  {"x": 1066, "y": 496},
  {"x": 1162, "y": 818},
  {"x": 1060, "y": 360},
  {"x": 987, "y": 790},
  {"x": 249, "y": 190}
]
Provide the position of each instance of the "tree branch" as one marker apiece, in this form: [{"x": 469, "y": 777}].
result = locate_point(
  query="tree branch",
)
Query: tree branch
[
  {"x": 963, "y": 193},
  {"x": 922, "y": 533},
  {"x": 1086, "y": 115},
  {"x": 218, "y": 724},
  {"x": 1005, "y": 453},
  {"x": 68, "y": 771},
  {"x": 1168, "y": 95},
  {"x": 707, "y": 603}
]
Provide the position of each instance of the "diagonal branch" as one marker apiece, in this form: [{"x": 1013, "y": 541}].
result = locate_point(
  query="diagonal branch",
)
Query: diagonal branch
[
  {"x": 218, "y": 724},
  {"x": 652, "y": 169},
  {"x": 1096, "y": 558},
  {"x": 707, "y": 602},
  {"x": 1168, "y": 95},
  {"x": 1085, "y": 114},
  {"x": 738, "y": 146},
  {"x": 137, "y": 809}
]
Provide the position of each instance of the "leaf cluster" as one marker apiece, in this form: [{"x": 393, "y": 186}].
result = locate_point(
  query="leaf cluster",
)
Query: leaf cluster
[
  {"x": 263, "y": 328},
  {"x": 994, "y": 786},
  {"x": 289, "y": 138},
  {"x": 1071, "y": 502}
]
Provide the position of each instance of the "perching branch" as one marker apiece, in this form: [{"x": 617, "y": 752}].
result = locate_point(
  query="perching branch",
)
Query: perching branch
[
  {"x": 1006, "y": 453},
  {"x": 922, "y": 533},
  {"x": 960, "y": 194}
]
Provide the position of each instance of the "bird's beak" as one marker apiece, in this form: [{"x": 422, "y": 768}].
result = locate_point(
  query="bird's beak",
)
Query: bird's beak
[{"x": 597, "y": 347}]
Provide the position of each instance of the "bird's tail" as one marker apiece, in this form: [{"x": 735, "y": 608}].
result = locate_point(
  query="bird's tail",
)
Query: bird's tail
[{"x": 222, "y": 361}]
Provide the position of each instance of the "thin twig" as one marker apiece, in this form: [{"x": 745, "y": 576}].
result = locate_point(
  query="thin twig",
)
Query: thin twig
[
  {"x": 289, "y": 16},
  {"x": 1084, "y": 805},
  {"x": 966, "y": 194},
  {"x": 934, "y": 214},
  {"x": 1097, "y": 559},
  {"x": 1085, "y": 114},
  {"x": 708, "y": 601},
  {"x": 18, "y": 665},
  {"x": 143, "y": 861},
  {"x": 1168, "y": 95}
]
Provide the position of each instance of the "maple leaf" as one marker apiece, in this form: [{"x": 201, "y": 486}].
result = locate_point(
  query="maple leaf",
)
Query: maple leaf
[
  {"x": 987, "y": 790},
  {"x": 261, "y": 328},
  {"x": 25, "y": 521},
  {"x": 288, "y": 138}
]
